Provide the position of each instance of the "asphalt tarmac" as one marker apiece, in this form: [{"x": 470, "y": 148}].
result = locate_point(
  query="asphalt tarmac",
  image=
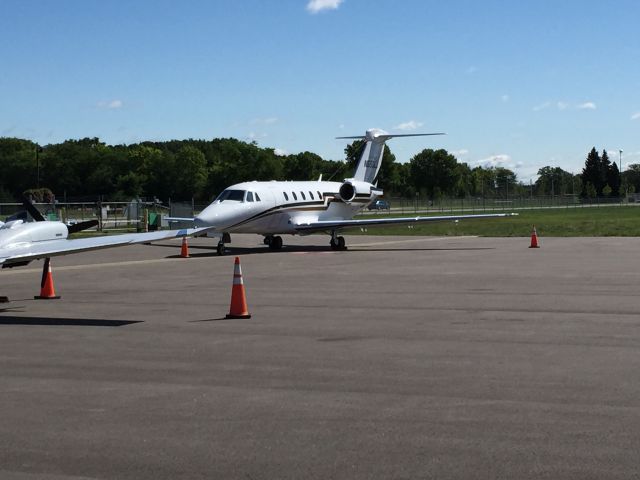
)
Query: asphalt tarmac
[{"x": 401, "y": 358}]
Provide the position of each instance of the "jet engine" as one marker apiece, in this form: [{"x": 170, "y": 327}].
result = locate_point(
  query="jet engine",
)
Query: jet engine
[{"x": 352, "y": 188}]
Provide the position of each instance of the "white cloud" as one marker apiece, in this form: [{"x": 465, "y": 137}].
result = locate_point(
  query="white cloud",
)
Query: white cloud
[
  {"x": 542, "y": 106},
  {"x": 459, "y": 153},
  {"x": 410, "y": 125},
  {"x": 110, "y": 104},
  {"x": 316, "y": 6},
  {"x": 635, "y": 116},
  {"x": 587, "y": 106},
  {"x": 254, "y": 137},
  {"x": 264, "y": 121},
  {"x": 504, "y": 98},
  {"x": 562, "y": 105},
  {"x": 501, "y": 160},
  {"x": 471, "y": 70},
  {"x": 280, "y": 152}
]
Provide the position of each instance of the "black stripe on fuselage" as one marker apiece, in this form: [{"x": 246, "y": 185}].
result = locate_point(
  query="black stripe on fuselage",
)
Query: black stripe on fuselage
[{"x": 317, "y": 205}]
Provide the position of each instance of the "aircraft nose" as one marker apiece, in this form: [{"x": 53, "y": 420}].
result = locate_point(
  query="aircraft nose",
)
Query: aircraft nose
[
  {"x": 205, "y": 219},
  {"x": 213, "y": 216}
]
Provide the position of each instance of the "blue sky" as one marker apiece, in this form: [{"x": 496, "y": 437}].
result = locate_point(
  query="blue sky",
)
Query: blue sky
[{"x": 515, "y": 84}]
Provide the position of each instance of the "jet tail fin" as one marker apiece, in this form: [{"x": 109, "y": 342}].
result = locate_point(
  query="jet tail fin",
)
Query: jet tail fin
[
  {"x": 80, "y": 226},
  {"x": 369, "y": 163},
  {"x": 30, "y": 207}
]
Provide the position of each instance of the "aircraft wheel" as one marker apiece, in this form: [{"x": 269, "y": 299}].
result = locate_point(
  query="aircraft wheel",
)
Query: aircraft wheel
[
  {"x": 267, "y": 240},
  {"x": 220, "y": 248},
  {"x": 341, "y": 244},
  {"x": 334, "y": 244},
  {"x": 276, "y": 243}
]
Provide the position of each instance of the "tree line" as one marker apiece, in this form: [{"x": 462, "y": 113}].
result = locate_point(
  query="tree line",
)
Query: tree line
[{"x": 200, "y": 169}]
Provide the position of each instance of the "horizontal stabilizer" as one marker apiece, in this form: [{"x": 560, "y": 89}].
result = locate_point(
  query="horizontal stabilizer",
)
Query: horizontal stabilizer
[{"x": 387, "y": 136}]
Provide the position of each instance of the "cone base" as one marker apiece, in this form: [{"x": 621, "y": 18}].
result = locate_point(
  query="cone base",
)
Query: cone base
[
  {"x": 40, "y": 297},
  {"x": 534, "y": 246},
  {"x": 231, "y": 315}
]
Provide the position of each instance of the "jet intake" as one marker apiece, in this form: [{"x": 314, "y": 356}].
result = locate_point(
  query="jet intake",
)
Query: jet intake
[
  {"x": 351, "y": 189},
  {"x": 347, "y": 192}
]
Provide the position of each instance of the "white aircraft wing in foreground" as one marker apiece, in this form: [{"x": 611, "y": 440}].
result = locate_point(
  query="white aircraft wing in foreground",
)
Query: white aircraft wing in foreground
[{"x": 22, "y": 242}]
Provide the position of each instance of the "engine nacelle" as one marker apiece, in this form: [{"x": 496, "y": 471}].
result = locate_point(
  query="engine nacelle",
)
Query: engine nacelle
[{"x": 351, "y": 189}]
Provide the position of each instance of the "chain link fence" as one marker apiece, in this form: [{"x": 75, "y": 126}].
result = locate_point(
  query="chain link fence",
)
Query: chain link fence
[{"x": 139, "y": 215}]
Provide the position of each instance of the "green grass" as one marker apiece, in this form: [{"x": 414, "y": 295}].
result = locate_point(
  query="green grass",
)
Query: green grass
[{"x": 562, "y": 222}]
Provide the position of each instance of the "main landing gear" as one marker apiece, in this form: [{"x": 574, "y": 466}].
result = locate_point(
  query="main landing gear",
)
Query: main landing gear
[
  {"x": 337, "y": 242},
  {"x": 220, "y": 248},
  {"x": 274, "y": 242}
]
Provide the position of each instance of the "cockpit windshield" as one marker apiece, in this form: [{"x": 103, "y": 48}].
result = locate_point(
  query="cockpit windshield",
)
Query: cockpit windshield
[{"x": 231, "y": 195}]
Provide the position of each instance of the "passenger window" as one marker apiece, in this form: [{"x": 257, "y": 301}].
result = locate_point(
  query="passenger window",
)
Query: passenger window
[
  {"x": 286, "y": 197},
  {"x": 257, "y": 198},
  {"x": 311, "y": 195},
  {"x": 319, "y": 196},
  {"x": 303, "y": 197},
  {"x": 249, "y": 196},
  {"x": 294, "y": 195}
]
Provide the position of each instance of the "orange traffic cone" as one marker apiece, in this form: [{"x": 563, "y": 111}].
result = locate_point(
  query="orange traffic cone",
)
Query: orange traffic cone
[
  {"x": 238, "y": 300},
  {"x": 184, "y": 250},
  {"x": 47, "y": 292},
  {"x": 534, "y": 239}
]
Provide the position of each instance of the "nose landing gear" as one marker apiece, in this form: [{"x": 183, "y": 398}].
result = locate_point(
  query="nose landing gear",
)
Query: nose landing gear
[{"x": 225, "y": 238}]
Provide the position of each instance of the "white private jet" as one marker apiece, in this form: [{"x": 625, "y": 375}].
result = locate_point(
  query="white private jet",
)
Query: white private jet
[
  {"x": 303, "y": 207},
  {"x": 22, "y": 242}
]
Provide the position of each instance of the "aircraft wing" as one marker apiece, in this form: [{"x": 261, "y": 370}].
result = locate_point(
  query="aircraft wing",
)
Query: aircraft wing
[
  {"x": 323, "y": 225},
  {"x": 36, "y": 250}
]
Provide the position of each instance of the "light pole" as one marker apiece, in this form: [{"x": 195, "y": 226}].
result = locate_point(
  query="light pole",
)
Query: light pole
[
  {"x": 37, "y": 166},
  {"x": 506, "y": 187},
  {"x": 620, "y": 161}
]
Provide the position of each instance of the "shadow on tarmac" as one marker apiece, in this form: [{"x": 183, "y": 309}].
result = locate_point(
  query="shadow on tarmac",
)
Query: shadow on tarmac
[
  {"x": 70, "y": 322},
  {"x": 221, "y": 319},
  {"x": 19, "y": 308},
  {"x": 211, "y": 251}
]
